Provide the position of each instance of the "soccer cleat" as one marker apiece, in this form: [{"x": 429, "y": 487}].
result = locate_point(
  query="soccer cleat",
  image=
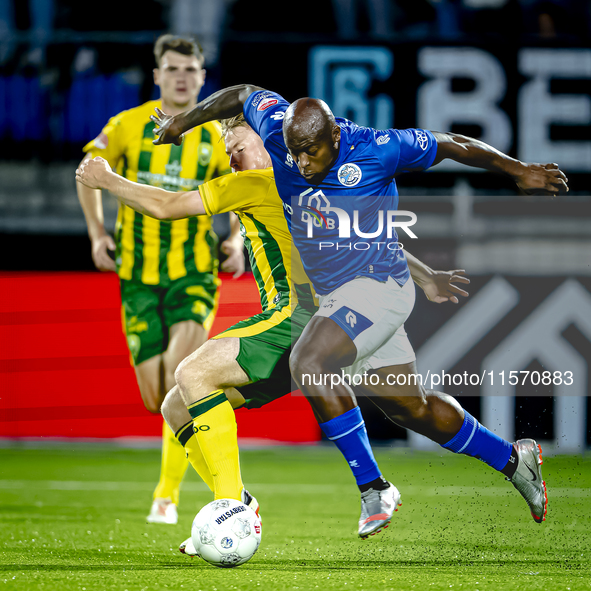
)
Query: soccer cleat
[
  {"x": 250, "y": 501},
  {"x": 188, "y": 548},
  {"x": 163, "y": 511},
  {"x": 528, "y": 478},
  {"x": 377, "y": 508}
]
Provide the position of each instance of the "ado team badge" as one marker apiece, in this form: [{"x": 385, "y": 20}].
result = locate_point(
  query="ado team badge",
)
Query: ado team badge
[{"x": 349, "y": 175}]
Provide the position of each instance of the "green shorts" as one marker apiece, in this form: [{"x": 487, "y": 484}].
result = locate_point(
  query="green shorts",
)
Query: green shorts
[
  {"x": 265, "y": 345},
  {"x": 150, "y": 310}
]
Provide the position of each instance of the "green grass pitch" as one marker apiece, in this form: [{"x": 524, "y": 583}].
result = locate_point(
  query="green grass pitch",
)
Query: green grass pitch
[{"x": 73, "y": 517}]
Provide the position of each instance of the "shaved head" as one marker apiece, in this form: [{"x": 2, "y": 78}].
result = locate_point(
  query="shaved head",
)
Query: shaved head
[
  {"x": 312, "y": 137},
  {"x": 307, "y": 116}
]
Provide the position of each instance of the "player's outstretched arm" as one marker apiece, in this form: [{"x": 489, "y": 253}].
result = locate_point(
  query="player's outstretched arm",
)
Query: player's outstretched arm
[
  {"x": 438, "y": 285},
  {"x": 152, "y": 201},
  {"x": 223, "y": 104},
  {"x": 532, "y": 179}
]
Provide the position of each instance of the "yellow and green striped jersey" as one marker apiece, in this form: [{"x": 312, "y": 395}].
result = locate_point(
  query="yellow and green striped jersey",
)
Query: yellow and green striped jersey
[
  {"x": 148, "y": 250},
  {"x": 275, "y": 262}
]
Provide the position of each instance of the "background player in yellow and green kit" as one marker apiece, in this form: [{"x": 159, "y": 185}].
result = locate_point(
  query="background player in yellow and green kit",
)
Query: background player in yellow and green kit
[
  {"x": 167, "y": 270},
  {"x": 248, "y": 364}
]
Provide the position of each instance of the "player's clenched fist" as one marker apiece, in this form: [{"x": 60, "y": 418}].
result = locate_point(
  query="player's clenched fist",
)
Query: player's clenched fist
[{"x": 92, "y": 172}]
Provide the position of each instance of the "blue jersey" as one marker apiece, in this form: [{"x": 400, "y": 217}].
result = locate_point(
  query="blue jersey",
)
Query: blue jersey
[{"x": 343, "y": 227}]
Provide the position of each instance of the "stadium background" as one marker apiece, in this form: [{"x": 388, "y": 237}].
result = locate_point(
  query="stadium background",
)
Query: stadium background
[{"x": 514, "y": 73}]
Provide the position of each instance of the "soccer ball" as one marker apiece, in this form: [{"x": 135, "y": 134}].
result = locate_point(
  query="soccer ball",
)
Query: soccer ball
[{"x": 226, "y": 533}]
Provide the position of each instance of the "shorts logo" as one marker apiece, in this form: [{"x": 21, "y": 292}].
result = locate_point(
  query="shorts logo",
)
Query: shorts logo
[
  {"x": 134, "y": 343},
  {"x": 353, "y": 323},
  {"x": 351, "y": 319},
  {"x": 383, "y": 139},
  {"x": 349, "y": 175},
  {"x": 422, "y": 139},
  {"x": 267, "y": 103},
  {"x": 102, "y": 141},
  {"x": 226, "y": 543}
]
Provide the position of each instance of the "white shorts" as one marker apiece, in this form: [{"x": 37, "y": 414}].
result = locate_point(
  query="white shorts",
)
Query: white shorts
[{"x": 373, "y": 313}]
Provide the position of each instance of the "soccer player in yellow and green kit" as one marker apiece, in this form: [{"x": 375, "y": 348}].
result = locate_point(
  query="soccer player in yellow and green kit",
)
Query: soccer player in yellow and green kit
[{"x": 167, "y": 270}]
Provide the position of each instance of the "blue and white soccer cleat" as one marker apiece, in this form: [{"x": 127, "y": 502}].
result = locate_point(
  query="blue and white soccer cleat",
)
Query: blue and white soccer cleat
[
  {"x": 377, "y": 508},
  {"x": 528, "y": 478}
]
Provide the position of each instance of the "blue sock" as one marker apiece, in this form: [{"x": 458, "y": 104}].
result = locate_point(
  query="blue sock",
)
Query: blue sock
[
  {"x": 350, "y": 436},
  {"x": 477, "y": 441}
]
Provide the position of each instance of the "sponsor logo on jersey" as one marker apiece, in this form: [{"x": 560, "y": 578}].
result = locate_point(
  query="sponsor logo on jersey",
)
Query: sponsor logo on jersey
[
  {"x": 383, "y": 139},
  {"x": 227, "y": 542},
  {"x": 422, "y": 139},
  {"x": 227, "y": 514},
  {"x": 260, "y": 97},
  {"x": 349, "y": 175},
  {"x": 269, "y": 102},
  {"x": 320, "y": 219},
  {"x": 174, "y": 168},
  {"x": 102, "y": 141},
  {"x": 173, "y": 183}
]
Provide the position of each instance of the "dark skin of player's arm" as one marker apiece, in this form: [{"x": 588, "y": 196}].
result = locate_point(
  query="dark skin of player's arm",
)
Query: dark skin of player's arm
[{"x": 223, "y": 104}]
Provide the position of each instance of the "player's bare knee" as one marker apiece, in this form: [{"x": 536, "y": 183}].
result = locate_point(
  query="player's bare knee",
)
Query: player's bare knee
[
  {"x": 183, "y": 373},
  {"x": 168, "y": 404},
  {"x": 174, "y": 410},
  {"x": 305, "y": 362}
]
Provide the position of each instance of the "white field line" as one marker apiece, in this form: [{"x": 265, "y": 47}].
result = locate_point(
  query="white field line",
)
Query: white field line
[{"x": 430, "y": 491}]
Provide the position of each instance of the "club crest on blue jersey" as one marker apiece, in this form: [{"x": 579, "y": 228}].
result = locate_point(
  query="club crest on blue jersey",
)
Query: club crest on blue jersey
[{"x": 349, "y": 175}]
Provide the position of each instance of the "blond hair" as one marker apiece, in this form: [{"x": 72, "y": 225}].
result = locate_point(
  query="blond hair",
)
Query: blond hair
[{"x": 232, "y": 123}]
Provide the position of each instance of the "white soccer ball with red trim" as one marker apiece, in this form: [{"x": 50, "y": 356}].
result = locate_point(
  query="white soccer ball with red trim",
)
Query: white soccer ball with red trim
[{"x": 226, "y": 533}]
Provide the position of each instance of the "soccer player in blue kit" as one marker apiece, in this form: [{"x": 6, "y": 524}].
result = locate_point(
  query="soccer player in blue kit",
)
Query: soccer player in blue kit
[{"x": 344, "y": 174}]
